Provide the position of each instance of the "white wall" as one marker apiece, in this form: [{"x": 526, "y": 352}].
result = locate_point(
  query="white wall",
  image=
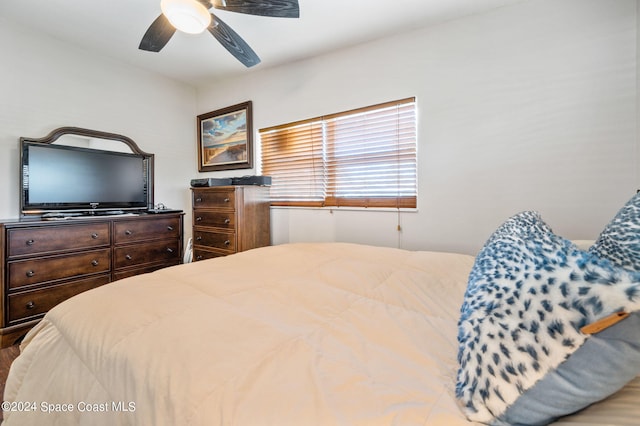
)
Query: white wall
[
  {"x": 46, "y": 84},
  {"x": 531, "y": 106}
]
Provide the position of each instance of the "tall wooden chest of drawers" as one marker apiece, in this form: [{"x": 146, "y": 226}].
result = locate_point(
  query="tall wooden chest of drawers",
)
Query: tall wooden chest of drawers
[
  {"x": 229, "y": 219},
  {"x": 47, "y": 262}
]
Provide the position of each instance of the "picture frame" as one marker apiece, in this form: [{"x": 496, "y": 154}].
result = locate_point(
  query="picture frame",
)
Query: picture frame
[{"x": 225, "y": 138}]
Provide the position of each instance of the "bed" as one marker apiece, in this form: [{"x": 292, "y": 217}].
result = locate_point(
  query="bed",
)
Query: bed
[{"x": 294, "y": 334}]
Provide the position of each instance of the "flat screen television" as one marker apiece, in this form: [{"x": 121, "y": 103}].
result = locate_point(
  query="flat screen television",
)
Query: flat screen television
[{"x": 65, "y": 179}]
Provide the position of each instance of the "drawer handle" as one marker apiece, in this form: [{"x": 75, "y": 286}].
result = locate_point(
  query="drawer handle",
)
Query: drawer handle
[
  {"x": 169, "y": 228},
  {"x": 199, "y": 238},
  {"x": 128, "y": 232},
  {"x": 94, "y": 262},
  {"x": 94, "y": 236},
  {"x": 227, "y": 242},
  {"x": 30, "y": 305},
  {"x": 128, "y": 257},
  {"x": 30, "y": 274},
  {"x": 198, "y": 200},
  {"x": 198, "y": 219},
  {"x": 169, "y": 250},
  {"x": 227, "y": 221},
  {"x": 199, "y": 257},
  {"x": 226, "y": 200},
  {"x": 31, "y": 242}
]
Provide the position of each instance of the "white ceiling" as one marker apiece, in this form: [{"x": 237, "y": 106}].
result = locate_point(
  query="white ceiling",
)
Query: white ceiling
[{"x": 114, "y": 28}]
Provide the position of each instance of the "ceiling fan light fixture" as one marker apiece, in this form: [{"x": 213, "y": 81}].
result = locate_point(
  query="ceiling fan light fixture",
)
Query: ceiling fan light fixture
[{"x": 188, "y": 16}]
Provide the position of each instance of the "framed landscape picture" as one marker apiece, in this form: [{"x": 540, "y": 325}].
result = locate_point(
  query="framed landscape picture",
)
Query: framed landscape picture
[{"x": 225, "y": 139}]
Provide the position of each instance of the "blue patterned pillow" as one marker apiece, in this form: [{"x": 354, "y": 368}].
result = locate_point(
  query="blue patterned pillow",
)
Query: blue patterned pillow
[
  {"x": 522, "y": 356},
  {"x": 620, "y": 239},
  {"x": 521, "y": 225}
]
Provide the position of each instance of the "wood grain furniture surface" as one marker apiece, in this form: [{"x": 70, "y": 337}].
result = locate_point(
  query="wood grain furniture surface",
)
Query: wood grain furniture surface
[
  {"x": 47, "y": 262},
  {"x": 229, "y": 219}
]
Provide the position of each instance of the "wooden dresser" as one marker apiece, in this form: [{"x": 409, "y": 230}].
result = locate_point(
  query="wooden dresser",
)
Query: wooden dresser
[
  {"x": 229, "y": 219},
  {"x": 46, "y": 262}
]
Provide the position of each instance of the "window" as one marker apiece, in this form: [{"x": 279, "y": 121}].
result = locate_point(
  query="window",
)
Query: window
[{"x": 359, "y": 158}]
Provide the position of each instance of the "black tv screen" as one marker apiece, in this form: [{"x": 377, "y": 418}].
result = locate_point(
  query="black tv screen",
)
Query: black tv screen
[{"x": 69, "y": 178}]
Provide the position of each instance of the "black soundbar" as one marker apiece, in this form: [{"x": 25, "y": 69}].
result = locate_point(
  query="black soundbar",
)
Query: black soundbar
[
  {"x": 252, "y": 180},
  {"x": 210, "y": 182},
  {"x": 243, "y": 180}
]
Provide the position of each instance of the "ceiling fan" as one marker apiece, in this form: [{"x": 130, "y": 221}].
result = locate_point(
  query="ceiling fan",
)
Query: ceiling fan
[{"x": 194, "y": 16}]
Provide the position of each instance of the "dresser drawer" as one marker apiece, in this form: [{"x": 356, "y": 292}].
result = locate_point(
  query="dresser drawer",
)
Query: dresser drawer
[
  {"x": 34, "y": 271},
  {"x": 31, "y": 241},
  {"x": 224, "y": 220},
  {"x": 28, "y": 304},
  {"x": 139, "y": 254},
  {"x": 220, "y": 240},
  {"x": 141, "y": 230},
  {"x": 129, "y": 272},
  {"x": 223, "y": 199},
  {"x": 200, "y": 253}
]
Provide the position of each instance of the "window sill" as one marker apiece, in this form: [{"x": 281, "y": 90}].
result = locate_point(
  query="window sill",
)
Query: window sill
[{"x": 362, "y": 209}]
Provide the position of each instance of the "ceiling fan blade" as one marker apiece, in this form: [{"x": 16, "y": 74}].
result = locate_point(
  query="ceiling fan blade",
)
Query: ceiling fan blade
[
  {"x": 158, "y": 34},
  {"x": 233, "y": 42},
  {"x": 273, "y": 8}
]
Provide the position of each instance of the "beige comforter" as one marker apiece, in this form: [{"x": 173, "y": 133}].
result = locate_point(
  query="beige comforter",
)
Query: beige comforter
[{"x": 301, "y": 334}]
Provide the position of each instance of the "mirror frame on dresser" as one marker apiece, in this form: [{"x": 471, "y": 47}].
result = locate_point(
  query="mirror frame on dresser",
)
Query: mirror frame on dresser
[{"x": 55, "y": 134}]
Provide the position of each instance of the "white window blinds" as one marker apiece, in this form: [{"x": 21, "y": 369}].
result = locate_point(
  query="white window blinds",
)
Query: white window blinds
[{"x": 359, "y": 158}]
